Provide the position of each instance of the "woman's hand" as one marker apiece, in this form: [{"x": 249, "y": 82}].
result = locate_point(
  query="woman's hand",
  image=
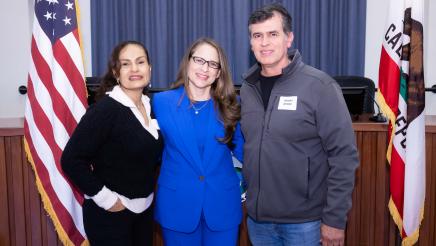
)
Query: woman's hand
[{"x": 117, "y": 207}]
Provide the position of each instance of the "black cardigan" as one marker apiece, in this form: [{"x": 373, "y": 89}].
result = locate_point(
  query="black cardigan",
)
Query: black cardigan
[{"x": 111, "y": 148}]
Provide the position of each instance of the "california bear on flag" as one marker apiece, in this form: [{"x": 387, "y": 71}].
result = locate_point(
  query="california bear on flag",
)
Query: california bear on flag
[{"x": 401, "y": 94}]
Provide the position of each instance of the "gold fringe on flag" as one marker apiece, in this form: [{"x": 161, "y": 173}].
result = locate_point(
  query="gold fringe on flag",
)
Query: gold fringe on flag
[{"x": 63, "y": 237}]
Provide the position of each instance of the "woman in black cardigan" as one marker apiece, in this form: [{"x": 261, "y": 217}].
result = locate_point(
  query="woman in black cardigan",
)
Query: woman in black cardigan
[{"x": 113, "y": 152}]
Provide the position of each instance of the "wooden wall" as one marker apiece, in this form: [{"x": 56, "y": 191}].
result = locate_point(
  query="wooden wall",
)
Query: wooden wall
[{"x": 23, "y": 221}]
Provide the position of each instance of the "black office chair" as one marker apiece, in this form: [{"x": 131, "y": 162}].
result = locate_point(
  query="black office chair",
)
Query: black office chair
[
  {"x": 92, "y": 84},
  {"x": 355, "y": 81}
]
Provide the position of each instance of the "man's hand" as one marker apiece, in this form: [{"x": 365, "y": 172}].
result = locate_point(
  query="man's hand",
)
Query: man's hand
[
  {"x": 117, "y": 207},
  {"x": 331, "y": 236}
]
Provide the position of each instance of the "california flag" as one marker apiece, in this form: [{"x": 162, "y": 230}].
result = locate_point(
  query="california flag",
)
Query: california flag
[{"x": 401, "y": 94}]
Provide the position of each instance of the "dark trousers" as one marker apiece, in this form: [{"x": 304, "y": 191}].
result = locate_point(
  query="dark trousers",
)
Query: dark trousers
[{"x": 117, "y": 228}]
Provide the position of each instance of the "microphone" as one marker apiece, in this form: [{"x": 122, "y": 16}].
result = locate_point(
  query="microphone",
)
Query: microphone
[{"x": 379, "y": 117}]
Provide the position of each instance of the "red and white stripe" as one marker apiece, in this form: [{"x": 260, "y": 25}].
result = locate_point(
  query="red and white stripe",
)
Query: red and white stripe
[{"x": 55, "y": 103}]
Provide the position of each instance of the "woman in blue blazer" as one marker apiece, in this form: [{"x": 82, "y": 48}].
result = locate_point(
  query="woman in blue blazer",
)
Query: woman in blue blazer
[{"x": 198, "y": 200}]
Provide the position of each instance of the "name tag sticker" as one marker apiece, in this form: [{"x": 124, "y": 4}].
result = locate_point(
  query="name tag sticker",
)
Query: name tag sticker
[{"x": 287, "y": 103}]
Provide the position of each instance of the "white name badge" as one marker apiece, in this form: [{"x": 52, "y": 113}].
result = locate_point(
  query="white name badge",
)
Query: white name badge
[{"x": 287, "y": 103}]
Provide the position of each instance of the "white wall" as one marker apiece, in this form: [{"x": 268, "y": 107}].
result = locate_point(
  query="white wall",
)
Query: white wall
[
  {"x": 375, "y": 23},
  {"x": 16, "y": 19},
  {"x": 430, "y": 55},
  {"x": 85, "y": 30},
  {"x": 15, "y": 48}
]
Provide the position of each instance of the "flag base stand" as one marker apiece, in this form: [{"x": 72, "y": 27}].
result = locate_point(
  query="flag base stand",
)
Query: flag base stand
[{"x": 378, "y": 118}]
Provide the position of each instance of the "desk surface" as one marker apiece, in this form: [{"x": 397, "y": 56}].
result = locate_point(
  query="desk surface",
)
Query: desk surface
[
  {"x": 14, "y": 126},
  {"x": 362, "y": 123}
]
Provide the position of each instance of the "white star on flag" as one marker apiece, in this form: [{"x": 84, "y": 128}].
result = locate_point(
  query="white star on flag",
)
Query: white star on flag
[
  {"x": 48, "y": 15},
  {"x": 67, "y": 20},
  {"x": 69, "y": 5}
]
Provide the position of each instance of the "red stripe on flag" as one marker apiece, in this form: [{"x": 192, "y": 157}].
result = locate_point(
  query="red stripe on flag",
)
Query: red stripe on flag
[
  {"x": 45, "y": 127},
  {"x": 397, "y": 181},
  {"x": 76, "y": 79},
  {"x": 389, "y": 80},
  {"x": 64, "y": 217},
  {"x": 58, "y": 103}
]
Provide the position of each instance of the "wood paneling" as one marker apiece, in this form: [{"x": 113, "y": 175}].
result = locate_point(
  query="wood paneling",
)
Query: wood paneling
[
  {"x": 23, "y": 220},
  {"x": 4, "y": 205}
]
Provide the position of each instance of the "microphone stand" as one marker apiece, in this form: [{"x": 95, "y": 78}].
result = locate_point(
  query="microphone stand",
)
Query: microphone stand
[{"x": 379, "y": 117}]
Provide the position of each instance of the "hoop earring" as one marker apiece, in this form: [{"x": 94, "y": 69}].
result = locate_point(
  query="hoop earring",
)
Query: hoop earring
[{"x": 118, "y": 81}]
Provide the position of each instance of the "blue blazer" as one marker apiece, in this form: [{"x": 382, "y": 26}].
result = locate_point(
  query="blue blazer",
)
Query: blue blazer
[{"x": 186, "y": 186}]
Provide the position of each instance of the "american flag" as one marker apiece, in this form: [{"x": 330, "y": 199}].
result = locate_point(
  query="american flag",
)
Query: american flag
[{"x": 55, "y": 102}]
